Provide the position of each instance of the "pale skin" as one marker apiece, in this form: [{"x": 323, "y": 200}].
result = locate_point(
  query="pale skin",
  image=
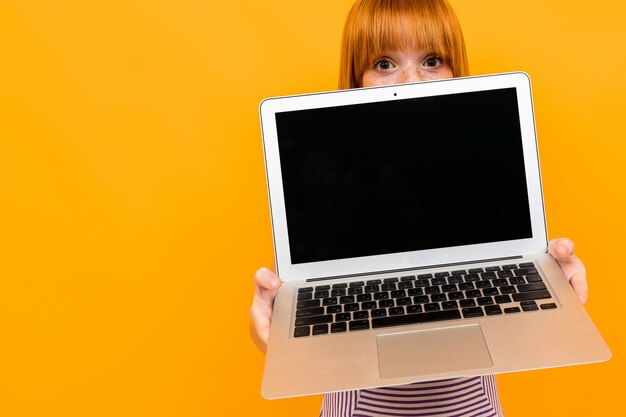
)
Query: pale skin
[{"x": 397, "y": 67}]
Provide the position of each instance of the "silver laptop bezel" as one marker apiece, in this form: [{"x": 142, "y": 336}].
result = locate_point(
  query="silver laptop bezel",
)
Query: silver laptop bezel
[{"x": 415, "y": 259}]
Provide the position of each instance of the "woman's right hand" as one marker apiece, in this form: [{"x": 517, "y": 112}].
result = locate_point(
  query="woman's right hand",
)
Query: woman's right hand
[{"x": 266, "y": 282}]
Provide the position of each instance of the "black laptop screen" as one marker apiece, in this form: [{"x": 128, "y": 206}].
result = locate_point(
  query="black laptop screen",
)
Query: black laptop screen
[{"x": 405, "y": 175}]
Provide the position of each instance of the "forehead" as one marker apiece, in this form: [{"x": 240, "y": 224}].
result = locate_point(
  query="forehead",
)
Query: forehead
[{"x": 404, "y": 33}]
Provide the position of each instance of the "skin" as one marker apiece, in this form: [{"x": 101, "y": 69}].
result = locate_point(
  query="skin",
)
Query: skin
[{"x": 397, "y": 67}]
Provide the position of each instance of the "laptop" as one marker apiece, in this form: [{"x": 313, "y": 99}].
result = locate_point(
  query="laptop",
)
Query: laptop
[{"x": 410, "y": 238}]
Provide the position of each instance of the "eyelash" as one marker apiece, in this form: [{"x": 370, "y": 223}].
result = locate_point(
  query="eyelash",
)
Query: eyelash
[{"x": 378, "y": 61}]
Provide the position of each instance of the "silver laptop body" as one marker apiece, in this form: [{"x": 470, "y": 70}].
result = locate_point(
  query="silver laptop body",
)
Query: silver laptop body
[{"x": 410, "y": 236}]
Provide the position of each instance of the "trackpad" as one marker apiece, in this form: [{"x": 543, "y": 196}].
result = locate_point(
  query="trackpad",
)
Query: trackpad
[{"x": 432, "y": 351}]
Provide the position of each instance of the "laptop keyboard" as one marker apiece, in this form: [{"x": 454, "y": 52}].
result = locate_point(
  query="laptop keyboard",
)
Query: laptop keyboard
[{"x": 423, "y": 298}]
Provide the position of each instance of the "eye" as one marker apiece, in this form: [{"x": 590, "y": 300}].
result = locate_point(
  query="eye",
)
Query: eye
[
  {"x": 383, "y": 64},
  {"x": 433, "y": 62}
]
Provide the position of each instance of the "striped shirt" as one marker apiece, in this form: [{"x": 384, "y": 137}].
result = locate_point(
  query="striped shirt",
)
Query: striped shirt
[{"x": 460, "y": 397}]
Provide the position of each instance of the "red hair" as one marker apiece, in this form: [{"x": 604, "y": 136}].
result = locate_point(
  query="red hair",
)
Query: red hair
[{"x": 376, "y": 26}]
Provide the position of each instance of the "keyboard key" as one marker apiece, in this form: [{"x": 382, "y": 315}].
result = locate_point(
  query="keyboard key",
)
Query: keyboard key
[
  {"x": 525, "y": 271},
  {"x": 548, "y": 306},
  {"x": 302, "y": 331},
  {"x": 500, "y": 282},
  {"x": 333, "y": 309},
  {"x": 530, "y": 307},
  {"x": 414, "y": 291},
  {"x": 473, "y": 294},
  {"x": 505, "y": 274},
  {"x": 438, "y": 297},
  {"x": 405, "y": 285},
  {"x": 422, "y": 283},
  {"x": 364, "y": 297},
  {"x": 408, "y": 278},
  {"x": 305, "y": 296},
  {"x": 511, "y": 266},
  {"x": 352, "y": 307},
  {"x": 534, "y": 295},
  {"x": 455, "y": 295},
  {"x": 493, "y": 310},
  {"x": 508, "y": 289},
  {"x": 455, "y": 279},
  {"x": 330, "y": 301},
  {"x": 467, "y": 303},
  {"x": 322, "y": 287},
  {"x": 398, "y": 293},
  {"x": 510, "y": 310},
  {"x": 420, "y": 299},
  {"x": 368, "y": 305},
  {"x": 483, "y": 301},
  {"x": 475, "y": 270},
  {"x": 483, "y": 284},
  {"x": 373, "y": 282},
  {"x": 432, "y": 290},
  {"x": 502, "y": 299},
  {"x": 340, "y": 285},
  {"x": 320, "y": 329},
  {"x": 388, "y": 280},
  {"x": 488, "y": 275},
  {"x": 449, "y": 288},
  {"x": 308, "y": 304},
  {"x": 357, "y": 315},
  {"x": 389, "y": 286},
  {"x": 535, "y": 286},
  {"x": 414, "y": 309},
  {"x": 394, "y": 311},
  {"x": 472, "y": 312},
  {"x": 415, "y": 318},
  {"x": 432, "y": 307},
  {"x": 447, "y": 305},
  {"x": 321, "y": 294},
  {"x": 424, "y": 276},
  {"x": 405, "y": 301},
  {"x": 381, "y": 296},
  {"x": 466, "y": 286},
  {"x": 305, "y": 289},
  {"x": 379, "y": 313},
  {"x": 356, "y": 284},
  {"x": 441, "y": 274},
  {"x": 459, "y": 272},
  {"x": 517, "y": 280},
  {"x": 372, "y": 288},
  {"x": 355, "y": 290},
  {"x": 438, "y": 281},
  {"x": 359, "y": 325},
  {"x": 338, "y": 327},
  {"x": 533, "y": 278},
  {"x": 304, "y": 321},
  {"x": 306, "y": 312},
  {"x": 487, "y": 292},
  {"x": 346, "y": 299},
  {"x": 527, "y": 265},
  {"x": 344, "y": 316},
  {"x": 472, "y": 277},
  {"x": 338, "y": 292},
  {"x": 492, "y": 268},
  {"x": 385, "y": 303}
]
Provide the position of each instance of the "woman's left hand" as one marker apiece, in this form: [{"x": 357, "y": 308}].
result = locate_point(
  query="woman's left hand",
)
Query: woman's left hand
[{"x": 562, "y": 249}]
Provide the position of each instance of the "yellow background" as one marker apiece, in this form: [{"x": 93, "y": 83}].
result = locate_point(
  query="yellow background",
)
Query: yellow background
[{"x": 132, "y": 191}]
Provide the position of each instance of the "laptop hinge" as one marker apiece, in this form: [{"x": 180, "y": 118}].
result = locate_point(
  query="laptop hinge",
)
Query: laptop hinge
[{"x": 391, "y": 271}]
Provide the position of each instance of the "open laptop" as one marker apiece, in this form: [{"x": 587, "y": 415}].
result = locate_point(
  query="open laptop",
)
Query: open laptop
[{"x": 410, "y": 236}]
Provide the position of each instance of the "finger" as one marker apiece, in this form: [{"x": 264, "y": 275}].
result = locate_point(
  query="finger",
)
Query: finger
[
  {"x": 264, "y": 278},
  {"x": 562, "y": 249},
  {"x": 579, "y": 283},
  {"x": 260, "y": 328}
]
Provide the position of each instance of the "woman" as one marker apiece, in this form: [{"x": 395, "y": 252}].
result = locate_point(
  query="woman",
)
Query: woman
[{"x": 392, "y": 42}]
